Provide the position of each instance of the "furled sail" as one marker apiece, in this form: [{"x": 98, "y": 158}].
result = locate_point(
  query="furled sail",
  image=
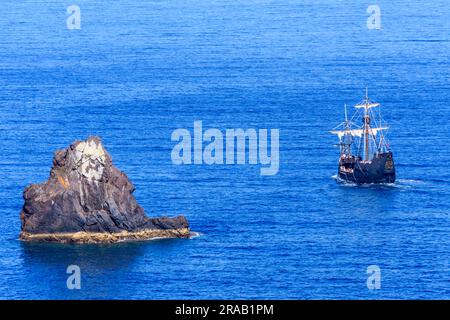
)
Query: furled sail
[
  {"x": 357, "y": 132},
  {"x": 369, "y": 105}
]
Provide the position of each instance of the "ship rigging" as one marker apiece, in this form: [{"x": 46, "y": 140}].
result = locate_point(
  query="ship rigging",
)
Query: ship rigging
[{"x": 365, "y": 155}]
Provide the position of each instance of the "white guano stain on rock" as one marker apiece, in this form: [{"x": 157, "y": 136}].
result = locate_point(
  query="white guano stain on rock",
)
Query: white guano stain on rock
[{"x": 90, "y": 158}]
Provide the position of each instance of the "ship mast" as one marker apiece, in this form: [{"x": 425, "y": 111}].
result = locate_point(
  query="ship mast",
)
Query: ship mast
[
  {"x": 366, "y": 127},
  {"x": 346, "y": 118},
  {"x": 366, "y": 132},
  {"x": 347, "y": 138}
]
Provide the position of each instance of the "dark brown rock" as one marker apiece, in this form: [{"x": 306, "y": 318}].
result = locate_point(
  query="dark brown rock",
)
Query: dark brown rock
[{"x": 87, "y": 193}]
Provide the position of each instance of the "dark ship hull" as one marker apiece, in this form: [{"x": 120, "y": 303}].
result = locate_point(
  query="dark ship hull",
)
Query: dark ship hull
[{"x": 380, "y": 169}]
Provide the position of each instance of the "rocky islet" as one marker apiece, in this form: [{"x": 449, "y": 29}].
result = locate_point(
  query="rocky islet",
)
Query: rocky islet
[{"x": 88, "y": 200}]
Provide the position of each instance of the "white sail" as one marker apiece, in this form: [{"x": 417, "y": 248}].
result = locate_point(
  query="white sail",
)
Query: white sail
[
  {"x": 369, "y": 105},
  {"x": 375, "y": 130},
  {"x": 354, "y": 132},
  {"x": 357, "y": 132}
]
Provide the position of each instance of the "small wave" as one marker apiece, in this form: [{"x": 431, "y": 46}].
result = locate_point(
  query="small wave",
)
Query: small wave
[
  {"x": 194, "y": 235},
  {"x": 166, "y": 175},
  {"x": 398, "y": 181},
  {"x": 408, "y": 181},
  {"x": 343, "y": 182},
  {"x": 346, "y": 183}
]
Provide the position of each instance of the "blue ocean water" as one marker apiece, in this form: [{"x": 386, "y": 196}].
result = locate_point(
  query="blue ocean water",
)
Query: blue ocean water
[{"x": 137, "y": 70}]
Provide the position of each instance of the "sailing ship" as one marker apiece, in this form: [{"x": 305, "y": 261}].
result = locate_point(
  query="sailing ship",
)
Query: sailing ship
[{"x": 365, "y": 155}]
